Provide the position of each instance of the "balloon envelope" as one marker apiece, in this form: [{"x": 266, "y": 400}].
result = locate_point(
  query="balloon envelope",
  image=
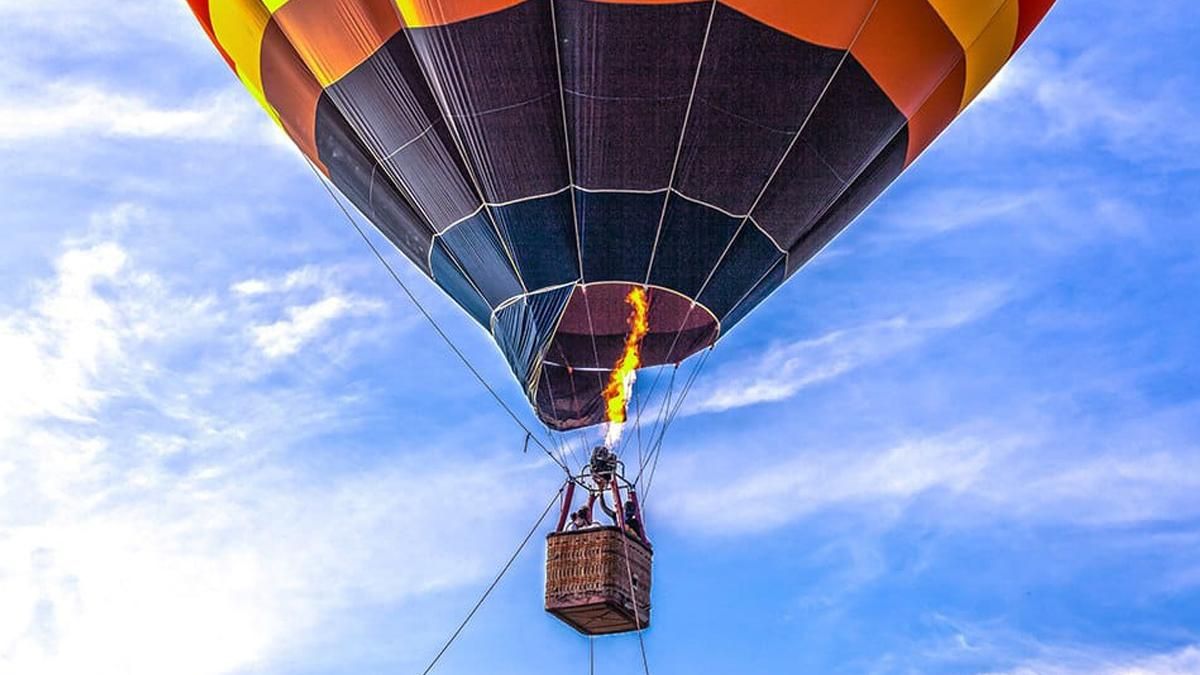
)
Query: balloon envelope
[{"x": 538, "y": 158}]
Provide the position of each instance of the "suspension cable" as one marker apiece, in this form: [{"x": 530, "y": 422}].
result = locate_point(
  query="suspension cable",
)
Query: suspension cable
[
  {"x": 656, "y": 451},
  {"x": 637, "y": 619},
  {"x": 662, "y": 412},
  {"x": 504, "y": 570},
  {"x": 429, "y": 317}
]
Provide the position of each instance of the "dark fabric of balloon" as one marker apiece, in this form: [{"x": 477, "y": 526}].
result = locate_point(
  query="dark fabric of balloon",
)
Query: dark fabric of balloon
[{"x": 538, "y": 158}]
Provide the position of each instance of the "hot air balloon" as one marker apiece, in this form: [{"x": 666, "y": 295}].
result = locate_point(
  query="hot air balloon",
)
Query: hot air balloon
[{"x": 543, "y": 161}]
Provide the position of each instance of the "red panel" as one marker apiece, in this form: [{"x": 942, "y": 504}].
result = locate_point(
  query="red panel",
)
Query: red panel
[
  {"x": 291, "y": 89},
  {"x": 1032, "y": 13},
  {"x": 937, "y": 113}
]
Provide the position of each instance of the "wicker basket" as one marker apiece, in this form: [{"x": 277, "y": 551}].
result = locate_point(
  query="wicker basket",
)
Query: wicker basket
[{"x": 588, "y": 581}]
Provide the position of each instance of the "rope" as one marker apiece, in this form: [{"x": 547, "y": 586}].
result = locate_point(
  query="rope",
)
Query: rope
[
  {"x": 494, "y": 583},
  {"x": 429, "y": 317},
  {"x": 656, "y": 450},
  {"x": 637, "y": 619},
  {"x": 662, "y": 413}
]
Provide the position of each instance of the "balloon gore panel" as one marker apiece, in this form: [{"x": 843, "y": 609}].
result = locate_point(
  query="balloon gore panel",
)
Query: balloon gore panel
[{"x": 539, "y": 158}]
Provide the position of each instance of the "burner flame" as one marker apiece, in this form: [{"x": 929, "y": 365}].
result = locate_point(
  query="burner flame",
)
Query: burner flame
[{"x": 624, "y": 373}]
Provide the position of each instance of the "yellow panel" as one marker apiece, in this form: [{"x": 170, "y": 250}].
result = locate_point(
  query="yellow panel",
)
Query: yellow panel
[
  {"x": 966, "y": 18},
  {"x": 274, "y": 5},
  {"x": 991, "y": 50},
  {"x": 239, "y": 26}
]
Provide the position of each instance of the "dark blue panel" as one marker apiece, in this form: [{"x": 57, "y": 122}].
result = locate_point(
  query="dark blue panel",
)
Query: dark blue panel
[
  {"x": 618, "y": 234},
  {"x": 751, "y": 254},
  {"x": 448, "y": 276},
  {"x": 866, "y": 188},
  {"x": 541, "y": 235},
  {"x": 524, "y": 328},
  {"x": 692, "y": 240},
  {"x": 475, "y": 246},
  {"x": 767, "y": 286}
]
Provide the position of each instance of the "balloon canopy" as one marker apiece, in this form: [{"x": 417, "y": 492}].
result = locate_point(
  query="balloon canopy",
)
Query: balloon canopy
[{"x": 539, "y": 158}]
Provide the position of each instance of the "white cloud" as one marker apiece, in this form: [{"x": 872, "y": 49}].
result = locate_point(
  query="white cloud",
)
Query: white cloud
[
  {"x": 1078, "y": 101},
  {"x": 308, "y": 276},
  {"x": 286, "y": 336},
  {"x": 305, "y": 321},
  {"x": 71, "y": 110},
  {"x": 785, "y": 370},
  {"x": 774, "y": 494},
  {"x": 150, "y": 520},
  {"x": 970, "y": 475},
  {"x": 1080, "y": 661}
]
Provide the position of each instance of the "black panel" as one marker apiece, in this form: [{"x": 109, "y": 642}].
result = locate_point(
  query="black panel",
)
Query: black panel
[
  {"x": 726, "y": 160},
  {"x": 447, "y": 275},
  {"x": 351, "y": 169},
  {"x": 518, "y": 152},
  {"x": 626, "y": 109},
  {"x": 771, "y": 281},
  {"x": 692, "y": 240},
  {"x": 757, "y": 86},
  {"x": 541, "y": 235},
  {"x": 387, "y": 97},
  {"x": 493, "y": 61},
  {"x": 749, "y": 257},
  {"x": 624, "y": 143},
  {"x": 475, "y": 246},
  {"x": 649, "y": 51},
  {"x": 848, "y": 129},
  {"x": 429, "y": 170},
  {"x": 761, "y": 73},
  {"x": 389, "y": 105},
  {"x": 617, "y": 230},
  {"x": 500, "y": 76},
  {"x": 873, "y": 181},
  {"x": 854, "y": 121},
  {"x": 570, "y": 399},
  {"x": 803, "y": 189}
]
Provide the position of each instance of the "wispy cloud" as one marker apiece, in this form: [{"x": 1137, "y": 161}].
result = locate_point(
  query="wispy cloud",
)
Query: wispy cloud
[
  {"x": 73, "y": 110},
  {"x": 773, "y": 494},
  {"x": 784, "y": 370},
  {"x": 1085, "y": 661},
  {"x": 303, "y": 323},
  {"x": 1053, "y": 100},
  {"x": 150, "y": 520}
]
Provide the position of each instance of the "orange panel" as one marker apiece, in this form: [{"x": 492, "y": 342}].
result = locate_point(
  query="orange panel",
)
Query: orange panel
[
  {"x": 908, "y": 50},
  {"x": 829, "y": 23},
  {"x": 334, "y": 36},
  {"x": 938, "y": 112},
  {"x": 291, "y": 90},
  {"x": 418, "y": 13}
]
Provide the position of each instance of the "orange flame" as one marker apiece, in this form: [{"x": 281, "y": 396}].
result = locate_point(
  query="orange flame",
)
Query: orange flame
[{"x": 620, "y": 382}]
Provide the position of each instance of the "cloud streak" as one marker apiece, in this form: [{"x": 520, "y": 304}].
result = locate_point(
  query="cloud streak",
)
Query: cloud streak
[
  {"x": 150, "y": 520},
  {"x": 785, "y": 370}
]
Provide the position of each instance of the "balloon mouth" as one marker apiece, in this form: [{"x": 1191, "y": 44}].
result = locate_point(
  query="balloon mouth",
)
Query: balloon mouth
[{"x": 591, "y": 337}]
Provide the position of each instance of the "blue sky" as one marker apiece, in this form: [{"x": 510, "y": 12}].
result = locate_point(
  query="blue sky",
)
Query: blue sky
[{"x": 965, "y": 440}]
